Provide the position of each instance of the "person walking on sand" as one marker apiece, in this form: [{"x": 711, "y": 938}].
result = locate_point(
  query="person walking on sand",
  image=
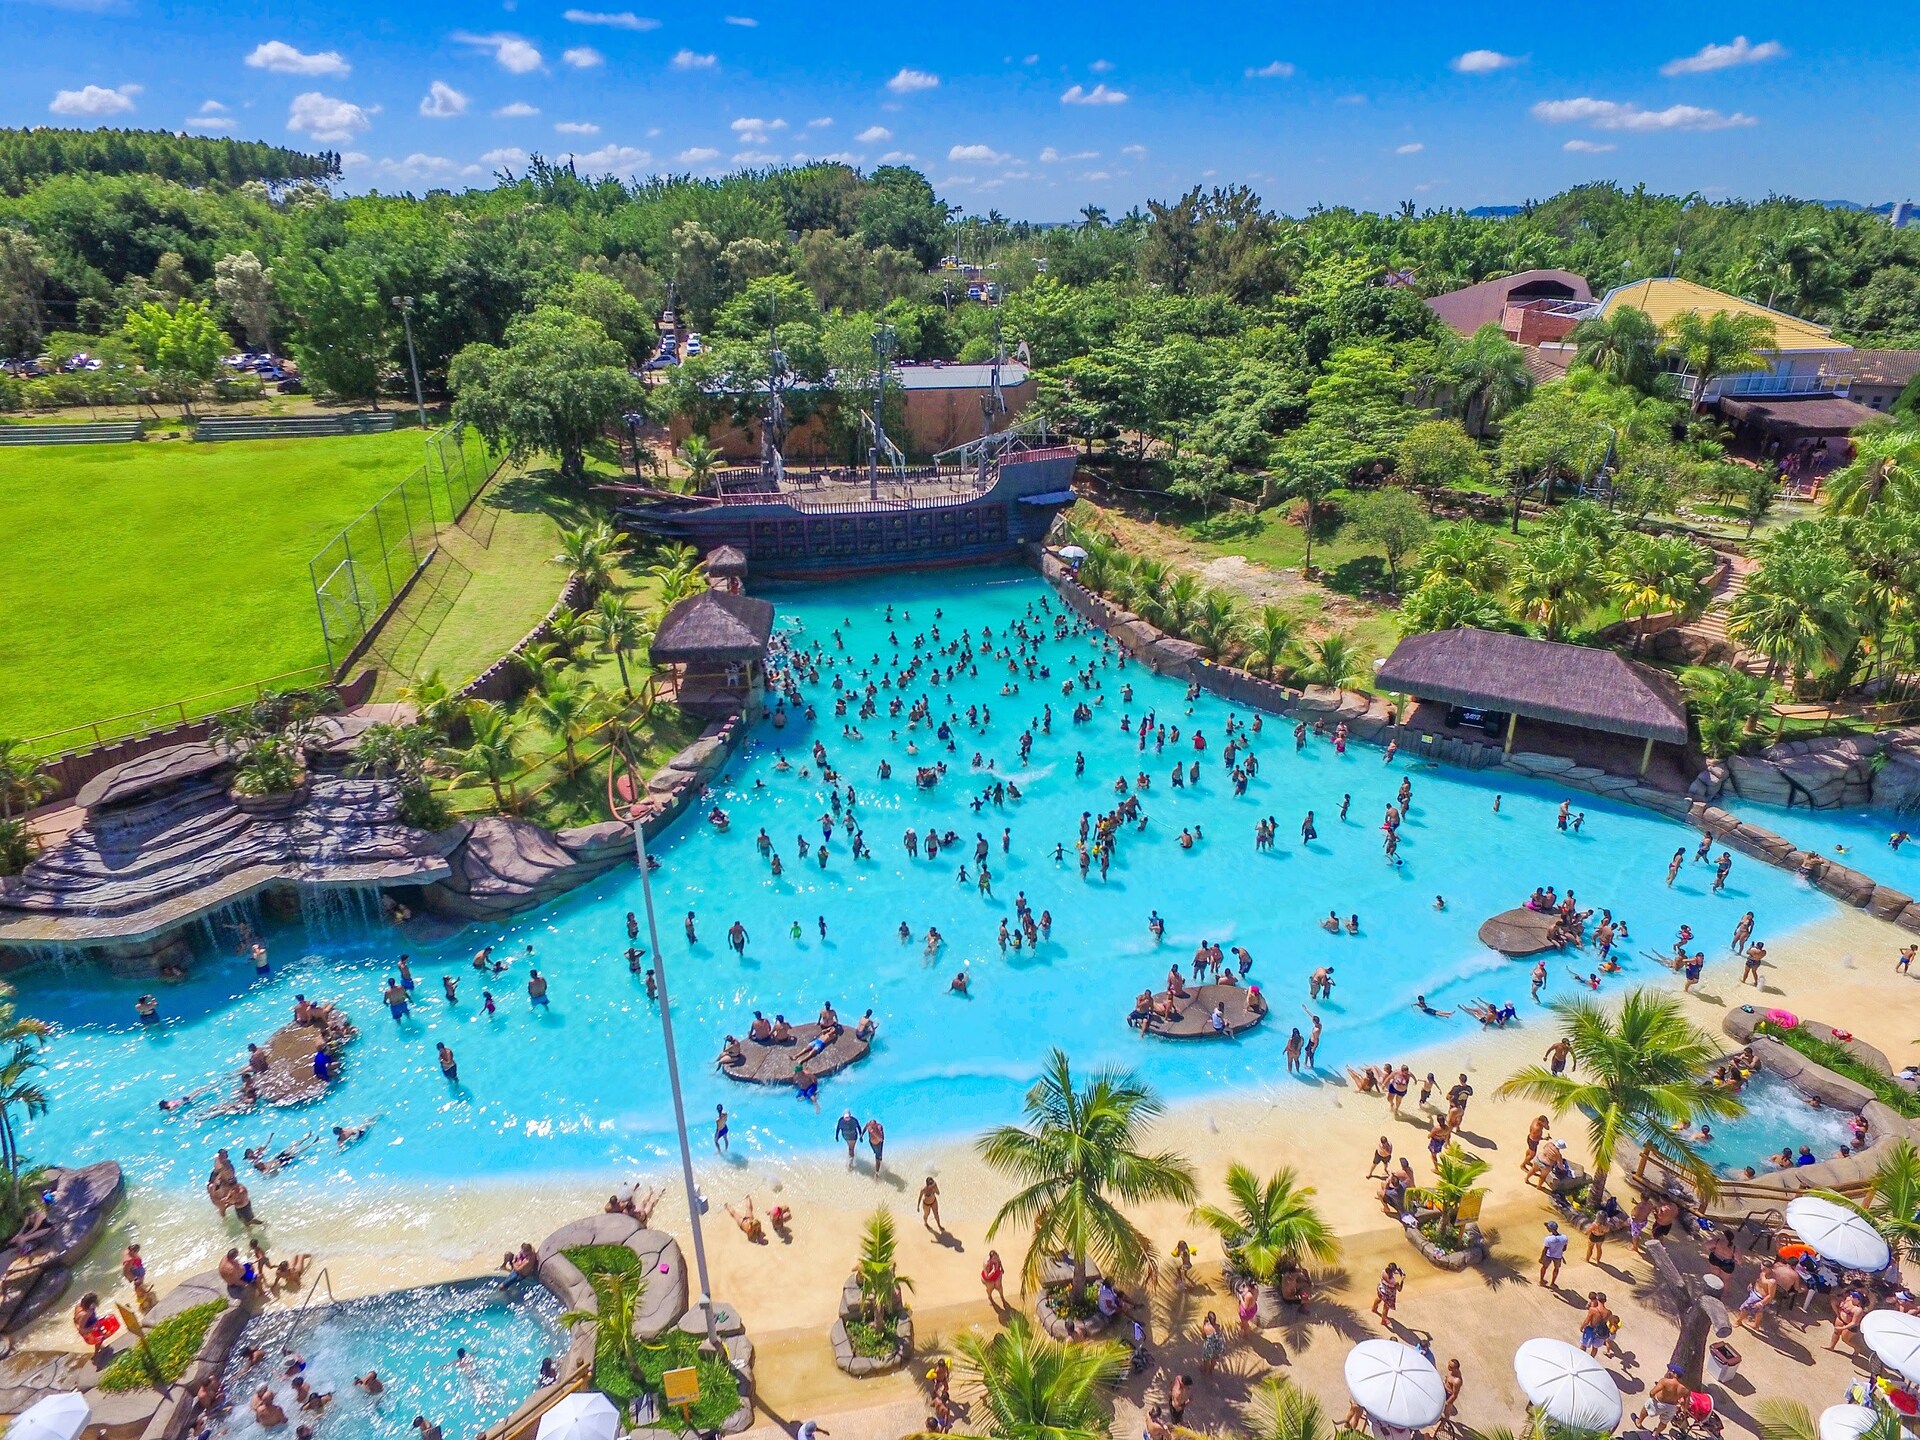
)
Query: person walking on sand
[
  {"x": 930, "y": 1207},
  {"x": 877, "y": 1138},
  {"x": 993, "y": 1277},
  {"x": 1553, "y": 1254},
  {"x": 1386, "y": 1294},
  {"x": 847, "y": 1128}
]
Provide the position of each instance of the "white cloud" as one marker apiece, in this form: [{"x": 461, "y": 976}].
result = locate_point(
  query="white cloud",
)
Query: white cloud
[
  {"x": 1586, "y": 147},
  {"x": 613, "y": 20},
  {"x": 212, "y": 116},
  {"x": 583, "y": 57},
  {"x": 353, "y": 158},
  {"x": 908, "y": 81},
  {"x": 1051, "y": 156},
  {"x": 1272, "y": 70},
  {"x": 897, "y": 157},
  {"x": 1101, "y": 67},
  {"x": 756, "y": 157},
  {"x": 699, "y": 155},
  {"x": 424, "y": 170},
  {"x": 745, "y": 22},
  {"x": 509, "y": 52},
  {"x": 505, "y": 155},
  {"x": 832, "y": 157},
  {"x": 1031, "y": 60},
  {"x": 1724, "y": 57},
  {"x": 1411, "y": 148},
  {"x": 819, "y": 122},
  {"x": 610, "y": 157},
  {"x": 874, "y": 134},
  {"x": 1484, "y": 62},
  {"x": 1138, "y": 152},
  {"x": 576, "y": 127},
  {"x": 518, "y": 110},
  {"x": 442, "y": 102},
  {"x": 1614, "y": 115},
  {"x": 282, "y": 59},
  {"x": 689, "y": 60},
  {"x": 1093, "y": 175},
  {"x": 321, "y": 117},
  {"x": 975, "y": 155},
  {"x": 94, "y": 100},
  {"x": 1099, "y": 95},
  {"x": 752, "y": 130}
]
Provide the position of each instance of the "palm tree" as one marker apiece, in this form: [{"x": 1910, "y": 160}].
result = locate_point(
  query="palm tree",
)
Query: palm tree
[
  {"x": 1793, "y": 607},
  {"x": 1717, "y": 344},
  {"x": 1272, "y": 638},
  {"x": 617, "y": 1295},
  {"x": 488, "y": 754},
  {"x": 1893, "y": 1199},
  {"x": 880, "y": 1280},
  {"x": 589, "y": 553},
  {"x": 572, "y": 633},
  {"x": 1217, "y": 623},
  {"x": 1147, "y": 587},
  {"x": 1333, "y": 662},
  {"x": 1885, "y": 466},
  {"x": 1624, "y": 346},
  {"x": 572, "y": 710},
  {"x": 1726, "y": 702},
  {"x": 1180, "y": 601},
  {"x": 1078, "y": 1154},
  {"x": 1636, "y": 1078},
  {"x": 620, "y": 631},
  {"x": 1556, "y": 580},
  {"x": 1278, "y": 1409},
  {"x": 18, "y": 1090},
  {"x": 1466, "y": 552},
  {"x": 678, "y": 573},
  {"x": 702, "y": 457},
  {"x": 435, "y": 706},
  {"x": 24, "y": 781},
  {"x": 1488, "y": 376},
  {"x": 1034, "y": 1388},
  {"x": 1792, "y": 1420},
  {"x": 539, "y": 660},
  {"x": 1270, "y": 1224},
  {"x": 1455, "y": 1176},
  {"x": 1657, "y": 572}
]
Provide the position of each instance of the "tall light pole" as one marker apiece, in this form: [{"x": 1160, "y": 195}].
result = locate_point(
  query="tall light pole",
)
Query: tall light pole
[
  {"x": 404, "y": 304},
  {"x": 673, "y": 1082}
]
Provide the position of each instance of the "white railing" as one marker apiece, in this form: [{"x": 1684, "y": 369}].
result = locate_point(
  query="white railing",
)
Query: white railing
[{"x": 1761, "y": 382}]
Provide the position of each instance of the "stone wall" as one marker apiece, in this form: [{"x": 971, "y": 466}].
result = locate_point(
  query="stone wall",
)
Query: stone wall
[{"x": 1828, "y": 772}]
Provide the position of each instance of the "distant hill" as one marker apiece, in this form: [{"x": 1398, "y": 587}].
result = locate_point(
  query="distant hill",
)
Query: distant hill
[{"x": 30, "y": 156}]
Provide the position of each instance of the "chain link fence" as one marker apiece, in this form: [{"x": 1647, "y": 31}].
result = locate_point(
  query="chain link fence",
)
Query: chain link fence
[{"x": 365, "y": 569}]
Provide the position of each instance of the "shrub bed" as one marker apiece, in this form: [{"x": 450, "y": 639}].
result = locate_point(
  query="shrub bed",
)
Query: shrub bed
[
  {"x": 172, "y": 1344},
  {"x": 1842, "y": 1061},
  {"x": 675, "y": 1350}
]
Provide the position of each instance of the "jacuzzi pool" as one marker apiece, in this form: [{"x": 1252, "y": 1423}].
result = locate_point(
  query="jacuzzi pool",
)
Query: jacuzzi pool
[
  {"x": 1778, "y": 1117},
  {"x": 412, "y": 1338}
]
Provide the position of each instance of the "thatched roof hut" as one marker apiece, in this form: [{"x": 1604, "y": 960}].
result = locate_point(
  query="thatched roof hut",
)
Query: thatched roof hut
[
  {"x": 714, "y": 628},
  {"x": 1574, "y": 685},
  {"x": 726, "y": 563}
]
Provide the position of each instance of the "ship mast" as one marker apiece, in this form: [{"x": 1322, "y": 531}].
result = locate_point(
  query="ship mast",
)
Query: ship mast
[
  {"x": 994, "y": 403},
  {"x": 885, "y": 341},
  {"x": 771, "y": 461}
]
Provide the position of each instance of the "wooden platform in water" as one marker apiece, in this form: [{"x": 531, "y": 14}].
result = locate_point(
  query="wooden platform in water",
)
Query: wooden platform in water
[
  {"x": 1196, "y": 1013},
  {"x": 1520, "y": 932},
  {"x": 781, "y": 1064}
]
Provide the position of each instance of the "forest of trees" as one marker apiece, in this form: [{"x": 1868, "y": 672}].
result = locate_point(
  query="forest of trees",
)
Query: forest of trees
[{"x": 29, "y": 156}]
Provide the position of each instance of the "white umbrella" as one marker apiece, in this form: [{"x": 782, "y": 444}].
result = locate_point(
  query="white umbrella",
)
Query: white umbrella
[
  {"x": 1894, "y": 1338},
  {"x": 1073, "y": 552},
  {"x": 58, "y": 1417},
  {"x": 1846, "y": 1422},
  {"x": 1838, "y": 1233},
  {"x": 1568, "y": 1385},
  {"x": 583, "y": 1415},
  {"x": 1395, "y": 1384}
]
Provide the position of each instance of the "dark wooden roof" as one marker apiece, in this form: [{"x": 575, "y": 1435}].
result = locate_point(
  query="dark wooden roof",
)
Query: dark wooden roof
[
  {"x": 1574, "y": 685},
  {"x": 1792, "y": 418},
  {"x": 1467, "y": 310},
  {"x": 714, "y": 626}
]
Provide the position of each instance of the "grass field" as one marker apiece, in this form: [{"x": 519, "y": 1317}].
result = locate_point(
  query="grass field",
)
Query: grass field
[{"x": 138, "y": 575}]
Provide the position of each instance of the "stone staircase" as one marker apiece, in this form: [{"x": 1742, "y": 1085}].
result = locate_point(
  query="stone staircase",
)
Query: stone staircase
[{"x": 1706, "y": 634}]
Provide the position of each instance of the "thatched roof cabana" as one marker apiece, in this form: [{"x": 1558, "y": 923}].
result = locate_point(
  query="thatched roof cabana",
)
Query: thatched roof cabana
[
  {"x": 726, "y": 562},
  {"x": 714, "y": 628},
  {"x": 1574, "y": 685}
]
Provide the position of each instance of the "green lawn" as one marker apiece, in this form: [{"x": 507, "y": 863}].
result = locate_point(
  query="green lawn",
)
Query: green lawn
[{"x": 139, "y": 575}]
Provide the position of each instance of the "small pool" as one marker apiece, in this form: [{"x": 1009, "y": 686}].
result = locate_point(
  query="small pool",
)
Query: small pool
[
  {"x": 412, "y": 1338},
  {"x": 1778, "y": 1117}
]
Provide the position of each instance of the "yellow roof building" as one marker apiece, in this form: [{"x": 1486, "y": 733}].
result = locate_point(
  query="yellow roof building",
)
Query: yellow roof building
[{"x": 1662, "y": 300}]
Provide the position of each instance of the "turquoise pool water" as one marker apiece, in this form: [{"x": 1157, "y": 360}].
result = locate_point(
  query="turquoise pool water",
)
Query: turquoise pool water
[
  {"x": 1854, "y": 838},
  {"x": 579, "y": 1087},
  {"x": 1778, "y": 1117},
  {"x": 412, "y": 1339}
]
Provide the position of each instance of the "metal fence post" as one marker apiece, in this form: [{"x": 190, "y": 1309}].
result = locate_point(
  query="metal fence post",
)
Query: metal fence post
[
  {"x": 321, "y": 605},
  {"x": 386, "y": 562}
]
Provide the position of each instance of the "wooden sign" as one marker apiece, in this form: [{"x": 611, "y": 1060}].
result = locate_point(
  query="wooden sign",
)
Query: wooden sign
[{"x": 682, "y": 1389}]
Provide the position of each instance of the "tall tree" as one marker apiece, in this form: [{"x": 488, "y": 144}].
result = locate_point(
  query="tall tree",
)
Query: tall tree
[
  {"x": 245, "y": 287},
  {"x": 1488, "y": 377},
  {"x": 179, "y": 348},
  {"x": 556, "y": 385},
  {"x": 1034, "y": 1388},
  {"x": 1717, "y": 344},
  {"x": 1623, "y": 345}
]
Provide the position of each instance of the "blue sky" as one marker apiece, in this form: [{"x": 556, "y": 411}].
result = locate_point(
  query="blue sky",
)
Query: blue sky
[{"x": 1032, "y": 109}]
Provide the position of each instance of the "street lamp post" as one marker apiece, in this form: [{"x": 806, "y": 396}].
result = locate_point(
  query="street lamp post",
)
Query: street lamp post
[
  {"x": 404, "y": 304},
  {"x": 673, "y": 1082}
]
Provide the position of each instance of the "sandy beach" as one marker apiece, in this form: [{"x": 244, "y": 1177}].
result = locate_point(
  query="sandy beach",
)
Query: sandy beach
[{"x": 1839, "y": 969}]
